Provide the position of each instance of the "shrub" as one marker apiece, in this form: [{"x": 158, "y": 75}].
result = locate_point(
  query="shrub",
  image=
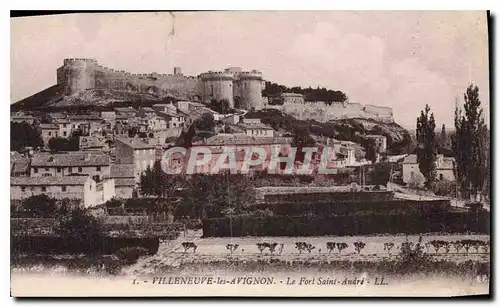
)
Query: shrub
[
  {"x": 129, "y": 255},
  {"x": 39, "y": 206}
]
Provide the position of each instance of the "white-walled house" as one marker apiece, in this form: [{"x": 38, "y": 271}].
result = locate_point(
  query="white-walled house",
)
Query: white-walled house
[
  {"x": 444, "y": 168},
  {"x": 80, "y": 188}
]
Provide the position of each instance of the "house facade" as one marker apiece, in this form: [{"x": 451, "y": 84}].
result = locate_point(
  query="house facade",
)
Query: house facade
[
  {"x": 444, "y": 168},
  {"x": 135, "y": 152},
  {"x": 81, "y": 188}
]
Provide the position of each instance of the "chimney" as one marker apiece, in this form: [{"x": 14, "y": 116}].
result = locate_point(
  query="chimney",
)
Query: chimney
[{"x": 177, "y": 71}]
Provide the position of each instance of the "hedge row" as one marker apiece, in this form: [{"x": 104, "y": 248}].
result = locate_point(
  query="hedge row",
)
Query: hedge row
[{"x": 449, "y": 222}]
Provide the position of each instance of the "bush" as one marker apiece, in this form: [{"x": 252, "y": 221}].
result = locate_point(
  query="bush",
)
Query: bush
[
  {"x": 129, "y": 255},
  {"x": 445, "y": 188},
  {"x": 39, "y": 206},
  {"x": 79, "y": 226}
]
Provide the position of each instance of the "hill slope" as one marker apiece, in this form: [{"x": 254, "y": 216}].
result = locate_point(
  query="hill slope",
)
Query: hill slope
[
  {"x": 351, "y": 129},
  {"x": 53, "y": 98}
]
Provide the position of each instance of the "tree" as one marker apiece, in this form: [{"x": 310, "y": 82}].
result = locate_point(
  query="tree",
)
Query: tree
[
  {"x": 80, "y": 227},
  {"x": 416, "y": 181},
  {"x": 155, "y": 182},
  {"x": 205, "y": 122},
  {"x": 216, "y": 195},
  {"x": 470, "y": 144},
  {"x": 442, "y": 138},
  {"x": 426, "y": 148},
  {"x": 132, "y": 132},
  {"x": 24, "y": 135},
  {"x": 301, "y": 139},
  {"x": 220, "y": 106},
  {"x": 40, "y": 206},
  {"x": 371, "y": 151}
]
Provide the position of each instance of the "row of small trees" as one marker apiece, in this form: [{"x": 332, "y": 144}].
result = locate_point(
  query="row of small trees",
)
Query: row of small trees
[{"x": 458, "y": 245}]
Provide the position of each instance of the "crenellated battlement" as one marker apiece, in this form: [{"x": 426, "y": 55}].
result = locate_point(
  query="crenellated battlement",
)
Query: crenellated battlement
[
  {"x": 71, "y": 61},
  {"x": 217, "y": 75}
]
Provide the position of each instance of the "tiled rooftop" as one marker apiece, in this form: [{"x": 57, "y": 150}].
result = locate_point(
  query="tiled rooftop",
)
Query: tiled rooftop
[
  {"x": 243, "y": 139},
  {"x": 122, "y": 171},
  {"x": 70, "y": 159},
  {"x": 135, "y": 143},
  {"x": 66, "y": 180}
]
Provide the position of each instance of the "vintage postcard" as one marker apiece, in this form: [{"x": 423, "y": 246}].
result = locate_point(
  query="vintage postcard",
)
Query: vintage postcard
[{"x": 250, "y": 153}]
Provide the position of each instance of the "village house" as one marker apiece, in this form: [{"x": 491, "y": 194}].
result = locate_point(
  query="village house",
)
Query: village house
[
  {"x": 241, "y": 143},
  {"x": 127, "y": 111},
  {"x": 231, "y": 119},
  {"x": 173, "y": 119},
  {"x": 94, "y": 142},
  {"x": 444, "y": 168},
  {"x": 20, "y": 118},
  {"x": 94, "y": 164},
  {"x": 253, "y": 127},
  {"x": 123, "y": 175},
  {"x": 64, "y": 126},
  {"x": 146, "y": 112},
  {"x": 88, "y": 124},
  {"x": 136, "y": 152},
  {"x": 81, "y": 188},
  {"x": 19, "y": 165},
  {"x": 48, "y": 131},
  {"x": 380, "y": 142},
  {"x": 164, "y": 107}
]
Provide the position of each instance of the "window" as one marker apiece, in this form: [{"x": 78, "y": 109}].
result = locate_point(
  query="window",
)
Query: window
[
  {"x": 50, "y": 133},
  {"x": 211, "y": 90},
  {"x": 70, "y": 169},
  {"x": 44, "y": 189},
  {"x": 23, "y": 189},
  {"x": 47, "y": 175},
  {"x": 80, "y": 169},
  {"x": 98, "y": 168},
  {"x": 58, "y": 169},
  {"x": 64, "y": 133},
  {"x": 64, "y": 125},
  {"x": 63, "y": 188},
  {"x": 441, "y": 177},
  {"x": 46, "y": 169},
  {"x": 35, "y": 170}
]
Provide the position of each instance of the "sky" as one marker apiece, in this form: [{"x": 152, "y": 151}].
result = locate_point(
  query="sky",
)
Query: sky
[{"x": 399, "y": 59}]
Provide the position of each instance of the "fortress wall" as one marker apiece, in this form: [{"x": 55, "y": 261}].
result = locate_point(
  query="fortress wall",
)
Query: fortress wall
[
  {"x": 82, "y": 74},
  {"x": 321, "y": 112},
  {"x": 178, "y": 85},
  {"x": 378, "y": 110}
]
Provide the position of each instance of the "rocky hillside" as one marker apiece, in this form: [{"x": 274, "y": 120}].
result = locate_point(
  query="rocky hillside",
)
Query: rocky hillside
[
  {"x": 352, "y": 129},
  {"x": 53, "y": 98}
]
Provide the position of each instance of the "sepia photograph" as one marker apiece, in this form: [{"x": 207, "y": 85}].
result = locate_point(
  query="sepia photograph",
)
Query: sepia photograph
[{"x": 250, "y": 154}]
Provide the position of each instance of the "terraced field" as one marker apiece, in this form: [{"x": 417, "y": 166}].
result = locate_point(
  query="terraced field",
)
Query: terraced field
[{"x": 172, "y": 254}]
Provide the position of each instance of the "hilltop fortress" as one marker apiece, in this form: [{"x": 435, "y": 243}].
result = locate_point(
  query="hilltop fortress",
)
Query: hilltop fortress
[{"x": 243, "y": 89}]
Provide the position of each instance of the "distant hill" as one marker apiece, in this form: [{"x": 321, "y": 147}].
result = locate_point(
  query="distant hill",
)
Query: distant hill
[
  {"x": 352, "y": 129},
  {"x": 53, "y": 99}
]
